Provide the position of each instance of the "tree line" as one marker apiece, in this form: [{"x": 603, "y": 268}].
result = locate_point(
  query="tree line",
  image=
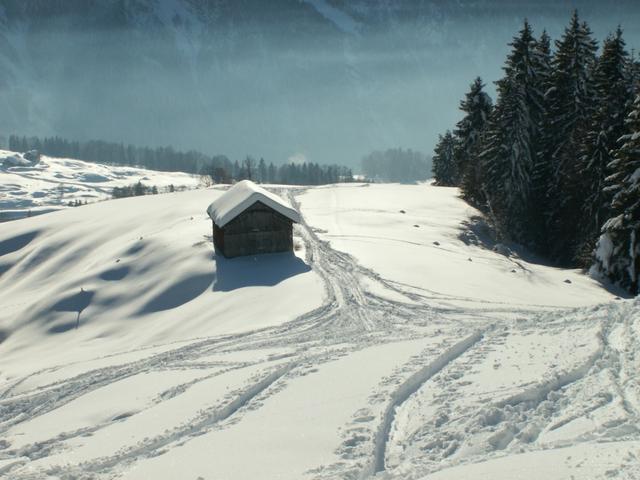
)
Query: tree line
[
  {"x": 306, "y": 173},
  {"x": 396, "y": 165},
  {"x": 218, "y": 168},
  {"x": 137, "y": 190},
  {"x": 555, "y": 163}
]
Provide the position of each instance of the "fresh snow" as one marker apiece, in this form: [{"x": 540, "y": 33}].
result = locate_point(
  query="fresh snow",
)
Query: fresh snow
[
  {"x": 241, "y": 196},
  {"x": 393, "y": 343},
  {"x": 428, "y": 246}
]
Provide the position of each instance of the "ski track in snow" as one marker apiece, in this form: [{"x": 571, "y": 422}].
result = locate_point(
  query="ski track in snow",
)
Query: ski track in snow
[
  {"x": 408, "y": 388},
  {"x": 353, "y": 318}
]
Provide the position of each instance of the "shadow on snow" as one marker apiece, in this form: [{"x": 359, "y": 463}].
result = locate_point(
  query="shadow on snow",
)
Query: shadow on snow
[
  {"x": 260, "y": 270},
  {"x": 230, "y": 274},
  {"x": 179, "y": 293},
  {"x": 76, "y": 303},
  {"x": 16, "y": 243}
]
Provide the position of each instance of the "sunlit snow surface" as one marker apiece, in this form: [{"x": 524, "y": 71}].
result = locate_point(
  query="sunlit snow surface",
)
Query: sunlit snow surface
[{"x": 393, "y": 344}]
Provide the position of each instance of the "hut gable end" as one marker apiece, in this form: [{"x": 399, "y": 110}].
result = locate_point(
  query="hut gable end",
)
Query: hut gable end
[
  {"x": 258, "y": 218},
  {"x": 248, "y": 220}
]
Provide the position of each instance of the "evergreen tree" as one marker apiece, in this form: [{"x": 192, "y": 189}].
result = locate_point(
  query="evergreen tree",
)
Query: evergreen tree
[
  {"x": 139, "y": 189},
  {"x": 271, "y": 173},
  {"x": 396, "y": 165},
  {"x": 612, "y": 87},
  {"x": 569, "y": 110},
  {"x": 249, "y": 168},
  {"x": 262, "y": 171},
  {"x": 444, "y": 165},
  {"x": 477, "y": 107},
  {"x": 541, "y": 174},
  {"x": 511, "y": 140},
  {"x": 618, "y": 250},
  {"x": 634, "y": 71}
]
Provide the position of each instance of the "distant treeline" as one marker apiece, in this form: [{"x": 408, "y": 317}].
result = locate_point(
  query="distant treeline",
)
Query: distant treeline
[
  {"x": 397, "y": 165},
  {"x": 289, "y": 174},
  {"x": 136, "y": 190},
  {"x": 555, "y": 163},
  {"x": 219, "y": 168}
]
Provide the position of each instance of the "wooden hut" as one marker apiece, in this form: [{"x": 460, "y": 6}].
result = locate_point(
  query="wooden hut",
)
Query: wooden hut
[{"x": 249, "y": 220}]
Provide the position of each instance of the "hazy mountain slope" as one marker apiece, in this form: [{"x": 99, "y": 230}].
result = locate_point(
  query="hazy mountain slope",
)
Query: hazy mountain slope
[{"x": 325, "y": 79}]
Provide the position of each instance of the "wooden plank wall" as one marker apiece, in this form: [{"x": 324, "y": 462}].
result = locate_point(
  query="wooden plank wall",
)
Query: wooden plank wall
[{"x": 259, "y": 229}]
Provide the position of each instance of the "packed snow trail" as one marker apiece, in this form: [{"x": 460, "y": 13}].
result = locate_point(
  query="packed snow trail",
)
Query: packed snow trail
[{"x": 436, "y": 401}]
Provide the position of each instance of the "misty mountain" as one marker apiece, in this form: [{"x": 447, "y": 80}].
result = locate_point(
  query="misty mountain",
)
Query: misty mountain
[{"x": 327, "y": 81}]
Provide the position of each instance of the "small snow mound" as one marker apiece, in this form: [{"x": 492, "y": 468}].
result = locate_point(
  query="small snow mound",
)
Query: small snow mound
[
  {"x": 15, "y": 160},
  {"x": 93, "y": 178},
  {"x": 12, "y": 159}
]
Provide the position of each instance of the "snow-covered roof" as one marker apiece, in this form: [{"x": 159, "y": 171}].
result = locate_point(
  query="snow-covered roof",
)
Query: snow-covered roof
[{"x": 241, "y": 196}]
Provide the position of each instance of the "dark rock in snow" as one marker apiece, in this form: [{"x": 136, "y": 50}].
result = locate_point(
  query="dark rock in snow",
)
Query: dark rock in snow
[
  {"x": 32, "y": 156},
  {"x": 502, "y": 249}
]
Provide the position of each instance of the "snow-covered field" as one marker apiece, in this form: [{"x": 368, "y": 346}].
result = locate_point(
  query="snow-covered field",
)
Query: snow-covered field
[
  {"x": 50, "y": 184},
  {"x": 393, "y": 344}
]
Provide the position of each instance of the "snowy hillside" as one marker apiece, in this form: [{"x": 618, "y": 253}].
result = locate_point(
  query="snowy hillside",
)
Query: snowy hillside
[
  {"x": 29, "y": 188},
  {"x": 393, "y": 344}
]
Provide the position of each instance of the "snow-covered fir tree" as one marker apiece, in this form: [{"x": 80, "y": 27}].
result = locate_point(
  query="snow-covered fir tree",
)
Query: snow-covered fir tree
[
  {"x": 477, "y": 106},
  {"x": 444, "y": 165},
  {"x": 634, "y": 70},
  {"x": 612, "y": 87},
  {"x": 618, "y": 250},
  {"x": 541, "y": 174},
  {"x": 511, "y": 139},
  {"x": 569, "y": 108}
]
